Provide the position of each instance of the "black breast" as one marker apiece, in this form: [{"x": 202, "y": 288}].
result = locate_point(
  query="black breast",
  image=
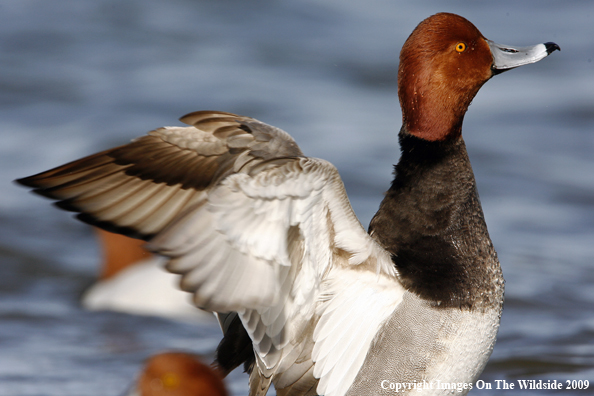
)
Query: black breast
[{"x": 432, "y": 223}]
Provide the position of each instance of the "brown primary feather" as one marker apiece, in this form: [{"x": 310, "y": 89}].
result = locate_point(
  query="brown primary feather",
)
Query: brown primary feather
[{"x": 139, "y": 188}]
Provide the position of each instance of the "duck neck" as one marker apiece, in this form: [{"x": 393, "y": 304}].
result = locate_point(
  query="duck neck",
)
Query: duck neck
[
  {"x": 444, "y": 124},
  {"x": 432, "y": 223}
]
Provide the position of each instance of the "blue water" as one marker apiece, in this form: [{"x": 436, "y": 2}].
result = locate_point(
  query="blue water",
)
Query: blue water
[{"x": 80, "y": 76}]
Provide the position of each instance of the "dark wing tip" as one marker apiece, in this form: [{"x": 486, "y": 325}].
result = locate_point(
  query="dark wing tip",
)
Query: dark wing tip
[
  {"x": 37, "y": 188},
  {"x": 234, "y": 349},
  {"x": 70, "y": 206},
  {"x": 29, "y": 181},
  {"x": 110, "y": 227},
  {"x": 65, "y": 204}
]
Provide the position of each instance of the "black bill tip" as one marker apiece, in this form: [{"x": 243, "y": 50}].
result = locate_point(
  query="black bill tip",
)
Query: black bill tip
[{"x": 551, "y": 47}]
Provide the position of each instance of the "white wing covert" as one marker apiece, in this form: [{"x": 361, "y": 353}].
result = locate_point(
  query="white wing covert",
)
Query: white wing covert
[{"x": 233, "y": 249}]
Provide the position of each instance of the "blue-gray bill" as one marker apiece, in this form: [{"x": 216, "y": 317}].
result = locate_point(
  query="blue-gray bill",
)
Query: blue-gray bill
[{"x": 506, "y": 57}]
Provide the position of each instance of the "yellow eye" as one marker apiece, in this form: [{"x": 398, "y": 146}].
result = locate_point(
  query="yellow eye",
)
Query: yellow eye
[{"x": 460, "y": 47}]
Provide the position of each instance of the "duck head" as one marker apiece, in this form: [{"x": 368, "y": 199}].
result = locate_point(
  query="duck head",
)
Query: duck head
[{"x": 443, "y": 64}]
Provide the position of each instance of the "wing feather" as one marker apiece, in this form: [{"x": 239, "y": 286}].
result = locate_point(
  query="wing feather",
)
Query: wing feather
[
  {"x": 162, "y": 209},
  {"x": 106, "y": 185},
  {"x": 358, "y": 304},
  {"x": 253, "y": 227}
]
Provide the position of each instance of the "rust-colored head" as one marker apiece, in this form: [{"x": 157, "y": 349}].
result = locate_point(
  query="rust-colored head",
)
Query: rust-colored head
[
  {"x": 179, "y": 374},
  {"x": 443, "y": 64}
]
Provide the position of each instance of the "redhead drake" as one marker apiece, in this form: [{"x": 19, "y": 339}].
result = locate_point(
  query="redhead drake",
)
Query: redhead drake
[
  {"x": 178, "y": 374},
  {"x": 266, "y": 236},
  {"x": 132, "y": 280}
]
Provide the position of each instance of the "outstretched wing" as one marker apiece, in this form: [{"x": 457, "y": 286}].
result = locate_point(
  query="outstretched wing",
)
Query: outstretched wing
[
  {"x": 139, "y": 188},
  {"x": 252, "y": 225}
]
